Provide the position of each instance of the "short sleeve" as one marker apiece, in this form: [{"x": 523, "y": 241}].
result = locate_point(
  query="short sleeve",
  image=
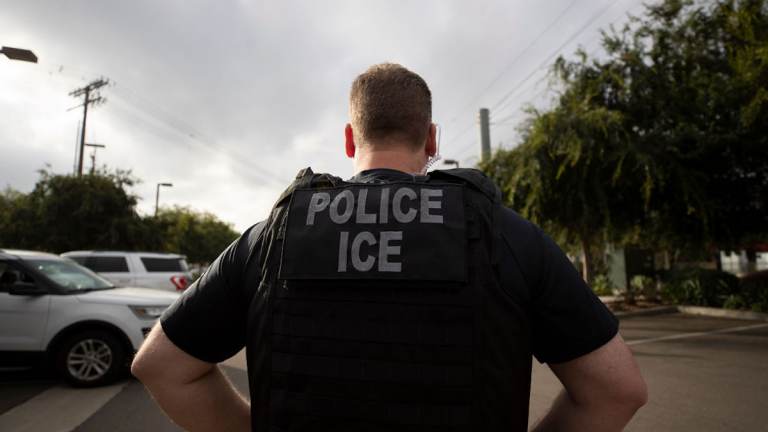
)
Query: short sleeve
[
  {"x": 208, "y": 320},
  {"x": 567, "y": 319}
]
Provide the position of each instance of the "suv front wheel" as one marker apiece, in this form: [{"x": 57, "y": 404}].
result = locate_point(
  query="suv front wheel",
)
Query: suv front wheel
[{"x": 90, "y": 358}]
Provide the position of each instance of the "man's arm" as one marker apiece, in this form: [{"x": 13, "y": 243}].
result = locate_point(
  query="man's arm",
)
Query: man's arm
[
  {"x": 603, "y": 390},
  {"x": 194, "y": 394}
]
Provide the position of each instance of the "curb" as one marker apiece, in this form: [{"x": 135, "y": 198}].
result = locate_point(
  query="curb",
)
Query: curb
[
  {"x": 661, "y": 310},
  {"x": 610, "y": 299},
  {"x": 723, "y": 313},
  {"x": 698, "y": 311}
]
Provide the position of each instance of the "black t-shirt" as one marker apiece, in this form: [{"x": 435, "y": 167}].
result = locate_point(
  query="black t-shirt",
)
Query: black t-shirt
[{"x": 567, "y": 320}]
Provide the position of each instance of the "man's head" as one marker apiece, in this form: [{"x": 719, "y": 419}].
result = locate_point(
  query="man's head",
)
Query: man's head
[{"x": 390, "y": 107}]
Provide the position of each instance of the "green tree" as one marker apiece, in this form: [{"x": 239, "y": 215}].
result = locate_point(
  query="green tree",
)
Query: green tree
[
  {"x": 688, "y": 79},
  {"x": 661, "y": 143},
  {"x": 198, "y": 235},
  {"x": 565, "y": 176},
  {"x": 65, "y": 212},
  {"x": 14, "y": 218}
]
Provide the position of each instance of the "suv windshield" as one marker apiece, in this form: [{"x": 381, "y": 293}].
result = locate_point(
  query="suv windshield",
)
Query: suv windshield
[{"x": 69, "y": 275}]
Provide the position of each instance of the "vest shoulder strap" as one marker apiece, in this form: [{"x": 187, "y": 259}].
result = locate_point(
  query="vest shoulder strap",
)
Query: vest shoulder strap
[
  {"x": 306, "y": 178},
  {"x": 472, "y": 177}
]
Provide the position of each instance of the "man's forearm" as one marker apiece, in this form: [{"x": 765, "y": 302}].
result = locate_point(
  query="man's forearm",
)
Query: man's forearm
[
  {"x": 209, "y": 403},
  {"x": 566, "y": 415}
]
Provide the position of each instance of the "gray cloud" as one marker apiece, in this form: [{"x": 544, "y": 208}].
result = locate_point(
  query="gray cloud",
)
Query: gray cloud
[{"x": 228, "y": 100}]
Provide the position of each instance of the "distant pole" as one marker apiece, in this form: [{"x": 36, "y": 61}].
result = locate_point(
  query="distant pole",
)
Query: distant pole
[
  {"x": 93, "y": 155},
  {"x": 485, "y": 134},
  {"x": 82, "y": 131},
  {"x": 87, "y": 92},
  {"x": 157, "y": 195},
  {"x": 77, "y": 146}
]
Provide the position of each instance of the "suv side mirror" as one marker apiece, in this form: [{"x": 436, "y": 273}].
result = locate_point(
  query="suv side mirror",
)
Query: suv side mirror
[{"x": 26, "y": 289}]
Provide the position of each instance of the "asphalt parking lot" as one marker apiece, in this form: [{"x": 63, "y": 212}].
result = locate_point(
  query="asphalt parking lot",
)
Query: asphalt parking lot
[{"x": 703, "y": 374}]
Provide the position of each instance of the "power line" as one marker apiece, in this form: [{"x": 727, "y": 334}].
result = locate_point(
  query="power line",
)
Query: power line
[
  {"x": 568, "y": 40},
  {"x": 160, "y": 115},
  {"x": 517, "y": 114},
  {"x": 509, "y": 120},
  {"x": 248, "y": 169},
  {"x": 543, "y": 65},
  {"x": 501, "y": 109},
  {"x": 180, "y": 126},
  {"x": 463, "y": 132},
  {"x": 514, "y": 60},
  {"x": 590, "y": 54}
]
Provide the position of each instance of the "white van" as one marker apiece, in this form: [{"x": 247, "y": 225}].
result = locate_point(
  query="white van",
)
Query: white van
[{"x": 139, "y": 269}]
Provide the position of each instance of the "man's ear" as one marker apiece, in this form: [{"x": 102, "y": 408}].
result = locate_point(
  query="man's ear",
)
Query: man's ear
[
  {"x": 349, "y": 141},
  {"x": 431, "y": 146}
]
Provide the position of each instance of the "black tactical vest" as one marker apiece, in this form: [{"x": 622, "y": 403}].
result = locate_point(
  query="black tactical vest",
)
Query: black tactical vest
[{"x": 379, "y": 309}]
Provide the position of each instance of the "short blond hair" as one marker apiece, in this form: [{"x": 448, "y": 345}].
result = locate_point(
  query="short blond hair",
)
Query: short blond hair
[{"x": 390, "y": 101}]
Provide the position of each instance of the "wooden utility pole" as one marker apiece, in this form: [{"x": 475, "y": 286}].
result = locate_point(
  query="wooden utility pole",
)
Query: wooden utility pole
[{"x": 91, "y": 97}]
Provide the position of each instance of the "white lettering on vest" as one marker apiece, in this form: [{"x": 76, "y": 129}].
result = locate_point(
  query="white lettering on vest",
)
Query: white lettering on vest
[
  {"x": 383, "y": 209},
  {"x": 386, "y": 252},
  {"x": 427, "y": 204},
  {"x": 349, "y": 207},
  {"x": 317, "y": 203},
  {"x": 362, "y": 217},
  {"x": 406, "y": 205},
  {"x": 358, "y": 263},
  {"x": 397, "y": 205},
  {"x": 343, "y": 242}
]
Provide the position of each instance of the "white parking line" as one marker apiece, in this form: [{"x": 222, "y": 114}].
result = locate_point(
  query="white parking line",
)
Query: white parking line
[
  {"x": 696, "y": 334},
  {"x": 58, "y": 409}
]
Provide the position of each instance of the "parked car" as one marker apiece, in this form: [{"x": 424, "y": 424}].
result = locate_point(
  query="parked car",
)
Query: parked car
[
  {"x": 139, "y": 269},
  {"x": 53, "y": 310}
]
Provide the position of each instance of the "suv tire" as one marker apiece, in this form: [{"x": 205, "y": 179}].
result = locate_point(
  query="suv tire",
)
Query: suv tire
[{"x": 90, "y": 358}]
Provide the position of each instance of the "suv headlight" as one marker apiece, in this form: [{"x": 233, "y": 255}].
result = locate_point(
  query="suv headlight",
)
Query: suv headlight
[{"x": 148, "y": 312}]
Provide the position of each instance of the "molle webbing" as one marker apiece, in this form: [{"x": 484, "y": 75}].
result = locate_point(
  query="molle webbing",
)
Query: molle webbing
[{"x": 373, "y": 357}]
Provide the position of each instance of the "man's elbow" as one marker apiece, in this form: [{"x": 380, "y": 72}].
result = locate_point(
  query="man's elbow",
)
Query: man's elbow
[
  {"x": 147, "y": 363},
  {"x": 632, "y": 395},
  {"x": 641, "y": 394},
  {"x": 139, "y": 368},
  {"x": 144, "y": 367},
  {"x": 625, "y": 396}
]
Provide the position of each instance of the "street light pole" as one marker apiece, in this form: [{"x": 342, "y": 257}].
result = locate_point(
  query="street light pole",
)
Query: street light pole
[
  {"x": 451, "y": 162},
  {"x": 19, "y": 54},
  {"x": 157, "y": 195}
]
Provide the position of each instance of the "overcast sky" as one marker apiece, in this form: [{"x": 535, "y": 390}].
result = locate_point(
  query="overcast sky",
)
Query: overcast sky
[{"x": 227, "y": 100}]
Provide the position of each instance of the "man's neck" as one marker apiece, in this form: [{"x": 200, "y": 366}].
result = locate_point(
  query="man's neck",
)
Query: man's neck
[{"x": 396, "y": 159}]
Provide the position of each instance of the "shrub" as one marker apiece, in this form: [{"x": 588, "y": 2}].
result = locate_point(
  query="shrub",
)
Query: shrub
[
  {"x": 700, "y": 287},
  {"x": 602, "y": 285},
  {"x": 645, "y": 286},
  {"x": 754, "y": 291},
  {"x": 735, "y": 301}
]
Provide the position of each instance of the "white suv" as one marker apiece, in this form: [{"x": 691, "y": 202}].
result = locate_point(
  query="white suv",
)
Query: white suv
[
  {"x": 53, "y": 309},
  {"x": 140, "y": 269}
]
